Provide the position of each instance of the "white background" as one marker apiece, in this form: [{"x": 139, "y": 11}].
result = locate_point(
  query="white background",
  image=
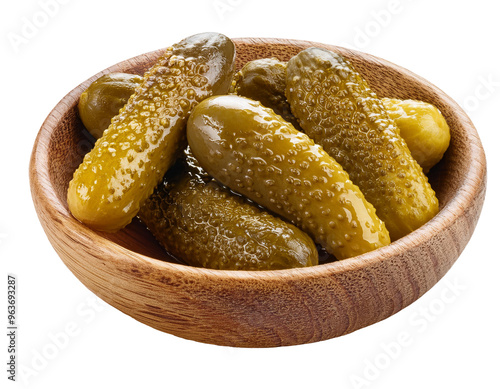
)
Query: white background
[{"x": 453, "y": 44}]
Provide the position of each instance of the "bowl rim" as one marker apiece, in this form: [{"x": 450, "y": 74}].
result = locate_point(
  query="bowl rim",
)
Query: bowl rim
[{"x": 42, "y": 188}]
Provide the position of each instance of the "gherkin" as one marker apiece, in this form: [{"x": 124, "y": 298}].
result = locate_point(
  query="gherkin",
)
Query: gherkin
[
  {"x": 102, "y": 100},
  {"x": 204, "y": 224},
  {"x": 255, "y": 152},
  {"x": 423, "y": 127},
  {"x": 263, "y": 80},
  {"x": 338, "y": 110},
  {"x": 145, "y": 138}
]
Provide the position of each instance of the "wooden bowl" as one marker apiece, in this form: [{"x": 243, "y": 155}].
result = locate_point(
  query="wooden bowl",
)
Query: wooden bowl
[{"x": 130, "y": 271}]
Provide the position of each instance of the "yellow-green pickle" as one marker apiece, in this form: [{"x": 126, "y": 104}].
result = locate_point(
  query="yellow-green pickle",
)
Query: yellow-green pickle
[
  {"x": 254, "y": 151},
  {"x": 423, "y": 128},
  {"x": 338, "y": 110},
  {"x": 148, "y": 134},
  {"x": 204, "y": 224},
  {"x": 263, "y": 80},
  {"x": 103, "y": 99}
]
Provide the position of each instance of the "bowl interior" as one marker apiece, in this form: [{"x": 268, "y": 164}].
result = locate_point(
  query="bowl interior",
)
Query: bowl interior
[{"x": 69, "y": 142}]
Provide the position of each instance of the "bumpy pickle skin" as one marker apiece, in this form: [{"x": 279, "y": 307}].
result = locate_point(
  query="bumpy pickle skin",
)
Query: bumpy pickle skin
[
  {"x": 263, "y": 80},
  {"x": 338, "y": 110},
  {"x": 102, "y": 100},
  {"x": 204, "y": 224},
  {"x": 255, "y": 152},
  {"x": 145, "y": 138},
  {"x": 423, "y": 127}
]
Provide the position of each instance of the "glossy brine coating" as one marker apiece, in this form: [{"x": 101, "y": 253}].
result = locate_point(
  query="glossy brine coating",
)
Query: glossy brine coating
[
  {"x": 104, "y": 98},
  {"x": 263, "y": 80},
  {"x": 205, "y": 224},
  {"x": 423, "y": 127},
  {"x": 338, "y": 110},
  {"x": 255, "y": 152},
  {"x": 145, "y": 138}
]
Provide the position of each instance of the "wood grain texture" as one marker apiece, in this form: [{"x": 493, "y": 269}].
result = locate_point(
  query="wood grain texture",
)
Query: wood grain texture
[{"x": 130, "y": 271}]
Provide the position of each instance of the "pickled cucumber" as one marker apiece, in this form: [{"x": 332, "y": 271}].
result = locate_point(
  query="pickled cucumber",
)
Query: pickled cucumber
[
  {"x": 423, "y": 128},
  {"x": 145, "y": 138},
  {"x": 204, "y": 224},
  {"x": 338, "y": 110},
  {"x": 102, "y": 100},
  {"x": 255, "y": 152},
  {"x": 263, "y": 80}
]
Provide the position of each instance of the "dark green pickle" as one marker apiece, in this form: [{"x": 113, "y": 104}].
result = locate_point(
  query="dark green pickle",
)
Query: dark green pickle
[
  {"x": 147, "y": 135},
  {"x": 257, "y": 153},
  {"x": 263, "y": 80},
  {"x": 204, "y": 224},
  {"x": 104, "y": 98},
  {"x": 338, "y": 110}
]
